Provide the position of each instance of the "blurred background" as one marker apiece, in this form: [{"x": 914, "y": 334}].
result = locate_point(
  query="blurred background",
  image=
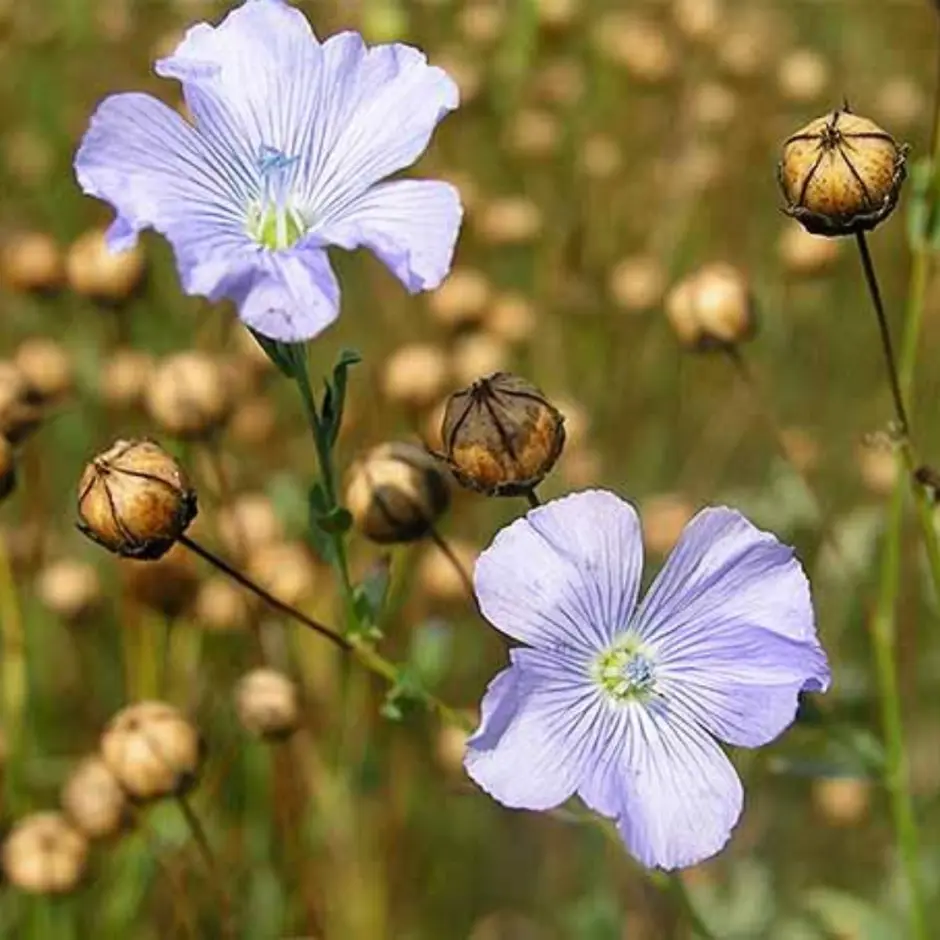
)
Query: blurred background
[{"x": 605, "y": 151}]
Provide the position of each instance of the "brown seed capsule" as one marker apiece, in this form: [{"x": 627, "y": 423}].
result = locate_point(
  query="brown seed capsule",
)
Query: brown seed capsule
[
  {"x": 501, "y": 435},
  {"x": 511, "y": 317},
  {"x": 188, "y": 395},
  {"x": 94, "y": 271},
  {"x": 135, "y": 499},
  {"x": 712, "y": 308},
  {"x": 19, "y": 414},
  {"x": 841, "y": 174},
  {"x": 94, "y": 800},
  {"x": 152, "y": 750},
  {"x": 70, "y": 588},
  {"x": 396, "y": 493},
  {"x": 31, "y": 261},
  {"x": 46, "y": 367},
  {"x": 44, "y": 854},
  {"x": 7, "y": 468},
  {"x": 267, "y": 703},
  {"x": 637, "y": 283}
]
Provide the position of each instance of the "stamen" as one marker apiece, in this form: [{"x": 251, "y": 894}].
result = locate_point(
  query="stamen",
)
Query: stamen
[
  {"x": 273, "y": 221},
  {"x": 626, "y": 672}
]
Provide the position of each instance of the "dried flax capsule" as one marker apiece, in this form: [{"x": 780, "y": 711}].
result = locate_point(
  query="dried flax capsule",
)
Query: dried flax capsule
[
  {"x": 44, "y": 854},
  {"x": 94, "y": 800},
  {"x": 135, "y": 500},
  {"x": 501, "y": 436},
  {"x": 267, "y": 704},
  {"x": 841, "y": 174}
]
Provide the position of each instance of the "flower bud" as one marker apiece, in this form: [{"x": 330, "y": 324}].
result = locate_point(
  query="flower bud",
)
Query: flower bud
[
  {"x": 7, "y": 468},
  {"x": 711, "y": 308},
  {"x": 19, "y": 414},
  {"x": 841, "y": 174},
  {"x": 135, "y": 500},
  {"x": 188, "y": 395},
  {"x": 501, "y": 435},
  {"x": 94, "y": 800},
  {"x": 396, "y": 493},
  {"x": 267, "y": 704},
  {"x": 44, "y": 854},
  {"x": 152, "y": 750},
  {"x": 94, "y": 271}
]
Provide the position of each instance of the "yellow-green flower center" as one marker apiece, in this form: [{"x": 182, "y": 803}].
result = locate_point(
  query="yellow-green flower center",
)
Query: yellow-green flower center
[
  {"x": 273, "y": 221},
  {"x": 626, "y": 672}
]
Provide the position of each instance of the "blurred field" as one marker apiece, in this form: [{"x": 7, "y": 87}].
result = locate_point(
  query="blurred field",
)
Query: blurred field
[{"x": 603, "y": 151}]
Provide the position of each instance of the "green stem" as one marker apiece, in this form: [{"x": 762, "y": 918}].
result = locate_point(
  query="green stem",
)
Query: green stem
[{"x": 681, "y": 894}]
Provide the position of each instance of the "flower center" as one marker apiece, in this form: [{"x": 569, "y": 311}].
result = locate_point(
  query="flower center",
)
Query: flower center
[
  {"x": 272, "y": 221},
  {"x": 626, "y": 672}
]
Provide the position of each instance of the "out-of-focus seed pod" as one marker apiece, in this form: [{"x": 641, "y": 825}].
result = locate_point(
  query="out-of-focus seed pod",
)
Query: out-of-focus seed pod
[
  {"x": 664, "y": 517},
  {"x": 501, "y": 435},
  {"x": 222, "y": 606},
  {"x": 557, "y": 15},
  {"x": 19, "y": 414},
  {"x": 461, "y": 300},
  {"x": 900, "y": 101},
  {"x": 509, "y": 220},
  {"x": 70, "y": 588},
  {"x": 94, "y": 271},
  {"x": 748, "y": 47},
  {"x": 253, "y": 422},
  {"x": 638, "y": 45},
  {"x": 46, "y": 367},
  {"x": 285, "y": 569},
  {"x": 28, "y": 155},
  {"x": 124, "y": 376},
  {"x": 577, "y": 420},
  {"x": 44, "y": 854},
  {"x": 396, "y": 493},
  {"x": 511, "y": 317},
  {"x": 481, "y": 24},
  {"x": 698, "y": 20},
  {"x": 415, "y": 375},
  {"x": 802, "y": 76},
  {"x": 31, "y": 262},
  {"x": 803, "y": 254},
  {"x": 188, "y": 395},
  {"x": 801, "y": 447},
  {"x": 533, "y": 134},
  {"x": 7, "y": 468},
  {"x": 841, "y": 174},
  {"x": 135, "y": 499},
  {"x": 842, "y": 801},
  {"x": 93, "y": 799},
  {"x": 465, "y": 72},
  {"x": 581, "y": 467},
  {"x": 267, "y": 704},
  {"x": 437, "y": 576},
  {"x": 712, "y": 105},
  {"x": 637, "y": 283},
  {"x": 601, "y": 157},
  {"x": 476, "y": 355},
  {"x": 152, "y": 750},
  {"x": 561, "y": 82},
  {"x": 248, "y": 523},
  {"x": 450, "y": 748},
  {"x": 167, "y": 585},
  {"x": 878, "y": 468},
  {"x": 712, "y": 308}
]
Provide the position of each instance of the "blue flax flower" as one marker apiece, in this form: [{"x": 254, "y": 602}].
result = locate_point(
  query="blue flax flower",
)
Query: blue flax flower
[
  {"x": 619, "y": 702},
  {"x": 289, "y": 144}
]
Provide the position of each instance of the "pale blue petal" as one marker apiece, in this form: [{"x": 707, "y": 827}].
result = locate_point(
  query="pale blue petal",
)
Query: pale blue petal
[
  {"x": 731, "y": 624},
  {"x": 155, "y": 170},
  {"x": 411, "y": 225},
  {"x": 253, "y": 79},
  {"x": 674, "y": 794},
  {"x": 290, "y": 295},
  {"x": 383, "y": 105},
  {"x": 564, "y": 577},
  {"x": 536, "y": 738}
]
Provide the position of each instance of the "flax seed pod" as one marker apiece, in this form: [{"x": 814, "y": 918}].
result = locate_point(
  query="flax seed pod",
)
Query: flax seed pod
[
  {"x": 31, "y": 262},
  {"x": 46, "y": 367},
  {"x": 188, "y": 395},
  {"x": 415, "y": 375},
  {"x": 44, "y": 854},
  {"x": 268, "y": 704},
  {"x": 71, "y": 589},
  {"x": 94, "y": 800},
  {"x": 96, "y": 272}
]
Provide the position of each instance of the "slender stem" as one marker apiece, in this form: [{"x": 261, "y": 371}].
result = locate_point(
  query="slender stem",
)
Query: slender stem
[
  {"x": 681, "y": 894},
  {"x": 364, "y": 653},
  {"x": 267, "y": 597},
  {"x": 13, "y": 645},
  {"x": 872, "y": 281},
  {"x": 533, "y": 498},
  {"x": 208, "y": 857},
  {"x": 451, "y": 555}
]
